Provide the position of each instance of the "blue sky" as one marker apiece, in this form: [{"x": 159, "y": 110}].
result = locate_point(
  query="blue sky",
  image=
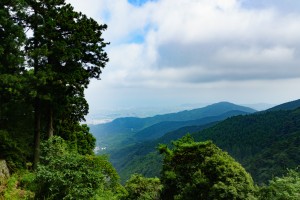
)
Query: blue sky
[
  {"x": 137, "y": 2},
  {"x": 170, "y": 52}
]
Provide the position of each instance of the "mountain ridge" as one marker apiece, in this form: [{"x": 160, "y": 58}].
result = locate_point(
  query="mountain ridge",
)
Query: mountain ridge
[
  {"x": 273, "y": 130},
  {"x": 124, "y": 131},
  {"x": 136, "y": 123},
  {"x": 291, "y": 105}
]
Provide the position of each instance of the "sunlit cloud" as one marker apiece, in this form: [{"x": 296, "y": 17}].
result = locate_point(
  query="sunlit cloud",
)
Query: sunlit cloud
[{"x": 175, "y": 44}]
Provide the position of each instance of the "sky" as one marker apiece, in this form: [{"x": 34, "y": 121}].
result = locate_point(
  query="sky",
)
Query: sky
[{"x": 172, "y": 52}]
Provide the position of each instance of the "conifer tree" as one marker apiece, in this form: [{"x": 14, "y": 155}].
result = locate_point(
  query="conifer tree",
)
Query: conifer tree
[
  {"x": 65, "y": 51},
  {"x": 12, "y": 38}
]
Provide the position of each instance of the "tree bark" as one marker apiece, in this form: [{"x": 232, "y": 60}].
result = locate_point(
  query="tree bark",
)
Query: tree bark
[
  {"x": 37, "y": 104},
  {"x": 50, "y": 122},
  {"x": 37, "y": 131}
]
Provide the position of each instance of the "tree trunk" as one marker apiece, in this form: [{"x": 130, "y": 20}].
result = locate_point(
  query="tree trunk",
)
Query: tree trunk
[
  {"x": 50, "y": 122},
  {"x": 37, "y": 104},
  {"x": 37, "y": 131}
]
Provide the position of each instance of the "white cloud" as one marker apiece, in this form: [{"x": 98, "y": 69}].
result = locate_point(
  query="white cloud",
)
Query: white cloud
[{"x": 169, "y": 44}]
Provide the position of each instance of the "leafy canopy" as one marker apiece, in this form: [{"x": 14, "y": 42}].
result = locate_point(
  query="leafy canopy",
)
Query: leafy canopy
[
  {"x": 200, "y": 170},
  {"x": 65, "y": 174},
  {"x": 141, "y": 188},
  {"x": 282, "y": 188}
]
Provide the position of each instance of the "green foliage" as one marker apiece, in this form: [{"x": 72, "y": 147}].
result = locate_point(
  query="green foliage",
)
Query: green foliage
[
  {"x": 12, "y": 151},
  {"x": 11, "y": 189},
  {"x": 200, "y": 170},
  {"x": 282, "y": 188},
  {"x": 141, "y": 188},
  {"x": 265, "y": 143},
  {"x": 78, "y": 136},
  {"x": 65, "y": 174},
  {"x": 13, "y": 130},
  {"x": 142, "y": 157},
  {"x": 66, "y": 50},
  {"x": 12, "y": 37},
  {"x": 148, "y": 166},
  {"x": 275, "y": 159}
]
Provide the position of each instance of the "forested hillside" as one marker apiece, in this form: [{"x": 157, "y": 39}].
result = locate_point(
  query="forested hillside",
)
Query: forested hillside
[
  {"x": 265, "y": 143},
  {"x": 129, "y": 130},
  {"x": 286, "y": 106},
  {"x": 143, "y": 157}
]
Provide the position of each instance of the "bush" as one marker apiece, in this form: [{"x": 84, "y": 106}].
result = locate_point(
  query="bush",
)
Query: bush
[
  {"x": 141, "y": 188},
  {"x": 65, "y": 174},
  {"x": 282, "y": 188},
  {"x": 200, "y": 170},
  {"x": 11, "y": 189}
]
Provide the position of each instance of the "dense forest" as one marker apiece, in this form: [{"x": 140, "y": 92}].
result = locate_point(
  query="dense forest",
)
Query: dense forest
[
  {"x": 265, "y": 143},
  {"x": 48, "y": 55}
]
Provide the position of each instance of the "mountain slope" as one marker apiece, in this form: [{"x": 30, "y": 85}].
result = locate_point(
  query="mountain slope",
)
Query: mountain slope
[
  {"x": 158, "y": 130},
  {"x": 123, "y": 131},
  {"x": 249, "y": 138},
  {"x": 143, "y": 157},
  {"x": 127, "y": 159},
  {"x": 208, "y": 111},
  {"x": 286, "y": 106},
  {"x": 265, "y": 143}
]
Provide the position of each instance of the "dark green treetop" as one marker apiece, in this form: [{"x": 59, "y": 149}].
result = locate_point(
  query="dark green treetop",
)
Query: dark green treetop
[
  {"x": 65, "y": 51},
  {"x": 200, "y": 170},
  {"x": 142, "y": 188},
  {"x": 12, "y": 38},
  {"x": 64, "y": 174},
  {"x": 282, "y": 188}
]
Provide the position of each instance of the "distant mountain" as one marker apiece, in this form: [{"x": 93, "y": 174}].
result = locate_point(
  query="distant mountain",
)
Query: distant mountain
[
  {"x": 286, "y": 106},
  {"x": 124, "y": 137},
  {"x": 119, "y": 126},
  {"x": 126, "y": 158},
  {"x": 158, "y": 130},
  {"x": 130, "y": 126},
  {"x": 265, "y": 143},
  {"x": 208, "y": 111}
]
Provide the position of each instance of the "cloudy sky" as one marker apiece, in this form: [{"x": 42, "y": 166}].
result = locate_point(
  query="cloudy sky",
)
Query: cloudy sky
[{"x": 171, "y": 52}]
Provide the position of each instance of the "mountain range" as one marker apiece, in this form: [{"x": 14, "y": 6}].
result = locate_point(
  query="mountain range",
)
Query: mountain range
[
  {"x": 129, "y": 130},
  {"x": 258, "y": 140},
  {"x": 266, "y": 143}
]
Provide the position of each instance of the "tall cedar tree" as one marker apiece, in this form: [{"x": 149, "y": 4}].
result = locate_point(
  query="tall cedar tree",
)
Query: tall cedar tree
[
  {"x": 14, "y": 113},
  {"x": 12, "y": 38},
  {"x": 65, "y": 51}
]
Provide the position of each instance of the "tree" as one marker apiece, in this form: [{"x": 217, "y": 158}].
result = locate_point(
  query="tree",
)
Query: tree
[
  {"x": 200, "y": 170},
  {"x": 65, "y": 174},
  {"x": 79, "y": 137},
  {"x": 141, "y": 188},
  {"x": 12, "y": 38},
  {"x": 65, "y": 52},
  {"x": 282, "y": 188},
  {"x": 15, "y": 112}
]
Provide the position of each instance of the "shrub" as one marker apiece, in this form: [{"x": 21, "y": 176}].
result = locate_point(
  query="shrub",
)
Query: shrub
[
  {"x": 141, "y": 188},
  {"x": 65, "y": 174},
  {"x": 200, "y": 170}
]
